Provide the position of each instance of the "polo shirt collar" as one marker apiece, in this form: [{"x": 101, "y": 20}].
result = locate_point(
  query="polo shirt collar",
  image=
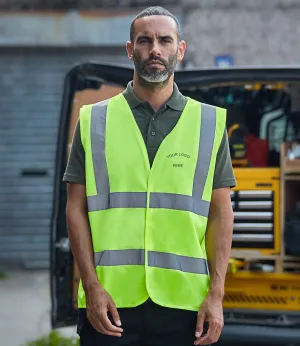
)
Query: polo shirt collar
[{"x": 177, "y": 101}]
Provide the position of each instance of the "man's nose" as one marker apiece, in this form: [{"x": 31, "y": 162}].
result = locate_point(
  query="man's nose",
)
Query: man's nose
[{"x": 155, "y": 52}]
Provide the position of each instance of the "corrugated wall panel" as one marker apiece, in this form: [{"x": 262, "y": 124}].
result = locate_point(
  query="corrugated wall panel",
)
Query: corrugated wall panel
[{"x": 30, "y": 97}]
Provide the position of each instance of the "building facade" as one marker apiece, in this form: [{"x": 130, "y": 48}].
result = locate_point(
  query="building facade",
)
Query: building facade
[{"x": 251, "y": 32}]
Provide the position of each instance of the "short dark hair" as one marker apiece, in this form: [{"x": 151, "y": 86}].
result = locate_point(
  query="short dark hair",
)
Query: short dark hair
[{"x": 153, "y": 11}]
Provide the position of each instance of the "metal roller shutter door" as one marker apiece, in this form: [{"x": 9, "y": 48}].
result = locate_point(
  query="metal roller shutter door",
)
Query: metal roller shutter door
[{"x": 31, "y": 90}]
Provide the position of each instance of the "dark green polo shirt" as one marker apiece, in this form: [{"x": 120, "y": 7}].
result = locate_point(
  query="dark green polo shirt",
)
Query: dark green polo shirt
[{"x": 154, "y": 126}]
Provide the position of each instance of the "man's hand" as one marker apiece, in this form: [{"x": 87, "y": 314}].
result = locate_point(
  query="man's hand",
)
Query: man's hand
[
  {"x": 211, "y": 311},
  {"x": 98, "y": 303}
]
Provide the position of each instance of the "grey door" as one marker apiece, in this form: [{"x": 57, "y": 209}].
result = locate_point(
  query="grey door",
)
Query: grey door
[{"x": 31, "y": 85}]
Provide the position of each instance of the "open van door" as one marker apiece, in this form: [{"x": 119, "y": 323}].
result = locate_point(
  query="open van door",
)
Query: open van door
[
  {"x": 254, "y": 318},
  {"x": 84, "y": 84}
]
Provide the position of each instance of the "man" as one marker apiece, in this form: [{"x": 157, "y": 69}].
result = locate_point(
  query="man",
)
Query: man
[{"x": 149, "y": 211}]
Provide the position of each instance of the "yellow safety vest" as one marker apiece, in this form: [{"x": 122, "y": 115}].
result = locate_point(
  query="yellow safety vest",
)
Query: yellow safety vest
[{"x": 148, "y": 224}]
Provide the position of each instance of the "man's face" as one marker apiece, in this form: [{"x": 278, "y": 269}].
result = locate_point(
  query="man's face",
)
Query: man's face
[{"x": 155, "y": 49}]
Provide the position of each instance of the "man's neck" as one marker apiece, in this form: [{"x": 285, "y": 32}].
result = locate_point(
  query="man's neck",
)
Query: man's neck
[{"x": 155, "y": 94}]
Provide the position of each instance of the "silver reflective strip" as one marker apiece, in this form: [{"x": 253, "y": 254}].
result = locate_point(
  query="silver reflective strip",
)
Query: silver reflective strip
[
  {"x": 128, "y": 200},
  {"x": 207, "y": 137},
  {"x": 98, "y": 127},
  {"x": 117, "y": 200},
  {"x": 99, "y": 202},
  {"x": 119, "y": 257},
  {"x": 176, "y": 262},
  {"x": 155, "y": 259},
  {"x": 179, "y": 202}
]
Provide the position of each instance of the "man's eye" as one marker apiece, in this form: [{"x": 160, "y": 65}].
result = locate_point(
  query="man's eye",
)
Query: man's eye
[{"x": 167, "y": 40}]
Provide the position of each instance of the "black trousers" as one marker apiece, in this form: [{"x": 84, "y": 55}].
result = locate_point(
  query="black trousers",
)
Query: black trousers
[{"x": 146, "y": 325}]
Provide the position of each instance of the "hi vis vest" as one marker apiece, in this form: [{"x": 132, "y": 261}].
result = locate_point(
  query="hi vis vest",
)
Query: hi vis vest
[{"x": 148, "y": 224}]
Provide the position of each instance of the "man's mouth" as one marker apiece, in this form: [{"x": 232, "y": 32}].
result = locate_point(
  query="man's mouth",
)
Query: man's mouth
[{"x": 154, "y": 62}]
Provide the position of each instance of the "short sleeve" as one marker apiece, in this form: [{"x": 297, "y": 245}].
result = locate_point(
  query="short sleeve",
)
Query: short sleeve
[
  {"x": 224, "y": 175},
  {"x": 75, "y": 170}
]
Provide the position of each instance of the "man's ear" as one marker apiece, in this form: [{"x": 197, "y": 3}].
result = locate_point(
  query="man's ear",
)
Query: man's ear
[
  {"x": 129, "y": 48},
  {"x": 181, "y": 50}
]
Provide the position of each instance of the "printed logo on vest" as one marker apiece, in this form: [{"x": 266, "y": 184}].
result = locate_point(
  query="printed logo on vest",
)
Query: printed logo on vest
[{"x": 178, "y": 155}]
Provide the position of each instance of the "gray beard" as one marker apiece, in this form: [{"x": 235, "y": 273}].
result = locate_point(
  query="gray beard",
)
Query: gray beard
[{"x": 155, "y": 77}]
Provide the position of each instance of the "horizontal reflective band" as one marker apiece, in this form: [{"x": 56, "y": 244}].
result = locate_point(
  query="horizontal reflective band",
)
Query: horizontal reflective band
[
  {"x": 119, "y": 257},
  {"x": 139, "y": 200},
  {"x": 96, "y": 203},
  {"x": 117, "y": 200},
  {"x": 179, "y": 202},
  {"x": 177, "y": 262},
  {"x": 155, "y": 259}
]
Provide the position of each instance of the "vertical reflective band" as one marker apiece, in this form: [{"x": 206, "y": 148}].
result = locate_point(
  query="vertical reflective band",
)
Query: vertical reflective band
[
  {"x": 206, "y": 144},
  {"x": 98, "y": 128}
]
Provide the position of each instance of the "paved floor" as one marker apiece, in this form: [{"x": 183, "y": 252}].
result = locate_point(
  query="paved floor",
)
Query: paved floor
[{"x": 25, "y": 308}]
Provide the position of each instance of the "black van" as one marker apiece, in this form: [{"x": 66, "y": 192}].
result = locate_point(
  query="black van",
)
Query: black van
[{"x": 248, "y": 94}]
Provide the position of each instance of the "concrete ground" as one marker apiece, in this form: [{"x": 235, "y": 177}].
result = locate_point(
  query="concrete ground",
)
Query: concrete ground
[{"x": 25, "y": 308}]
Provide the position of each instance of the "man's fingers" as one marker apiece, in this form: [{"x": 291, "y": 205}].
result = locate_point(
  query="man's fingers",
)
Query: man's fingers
[
  {"x": 213, "y": 333},
  {"x": 199, "y": 326},
  {"x": 108, "y": 325},
  {"x": 95, "y": 322},
  {"x": 101, "y": 329},
  {"x": 115, "y": 315},
  {"x": 220, "y": 325},
  {"x": 102, "y": 324}
]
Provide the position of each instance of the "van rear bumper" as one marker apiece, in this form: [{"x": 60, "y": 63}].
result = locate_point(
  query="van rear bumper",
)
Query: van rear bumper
[{"x": 246, "y": 334}]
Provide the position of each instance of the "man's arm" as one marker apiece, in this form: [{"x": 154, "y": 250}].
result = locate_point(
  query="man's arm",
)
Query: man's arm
[
  {"x": 219, "y": 239},
  {"x": 220, "y": 220},
  {"x": 218, "y": 246},
  {"x": 80, "y": 235},
  {"x": 76, "y": 212},
  {"x": 98, "y": 301}
]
